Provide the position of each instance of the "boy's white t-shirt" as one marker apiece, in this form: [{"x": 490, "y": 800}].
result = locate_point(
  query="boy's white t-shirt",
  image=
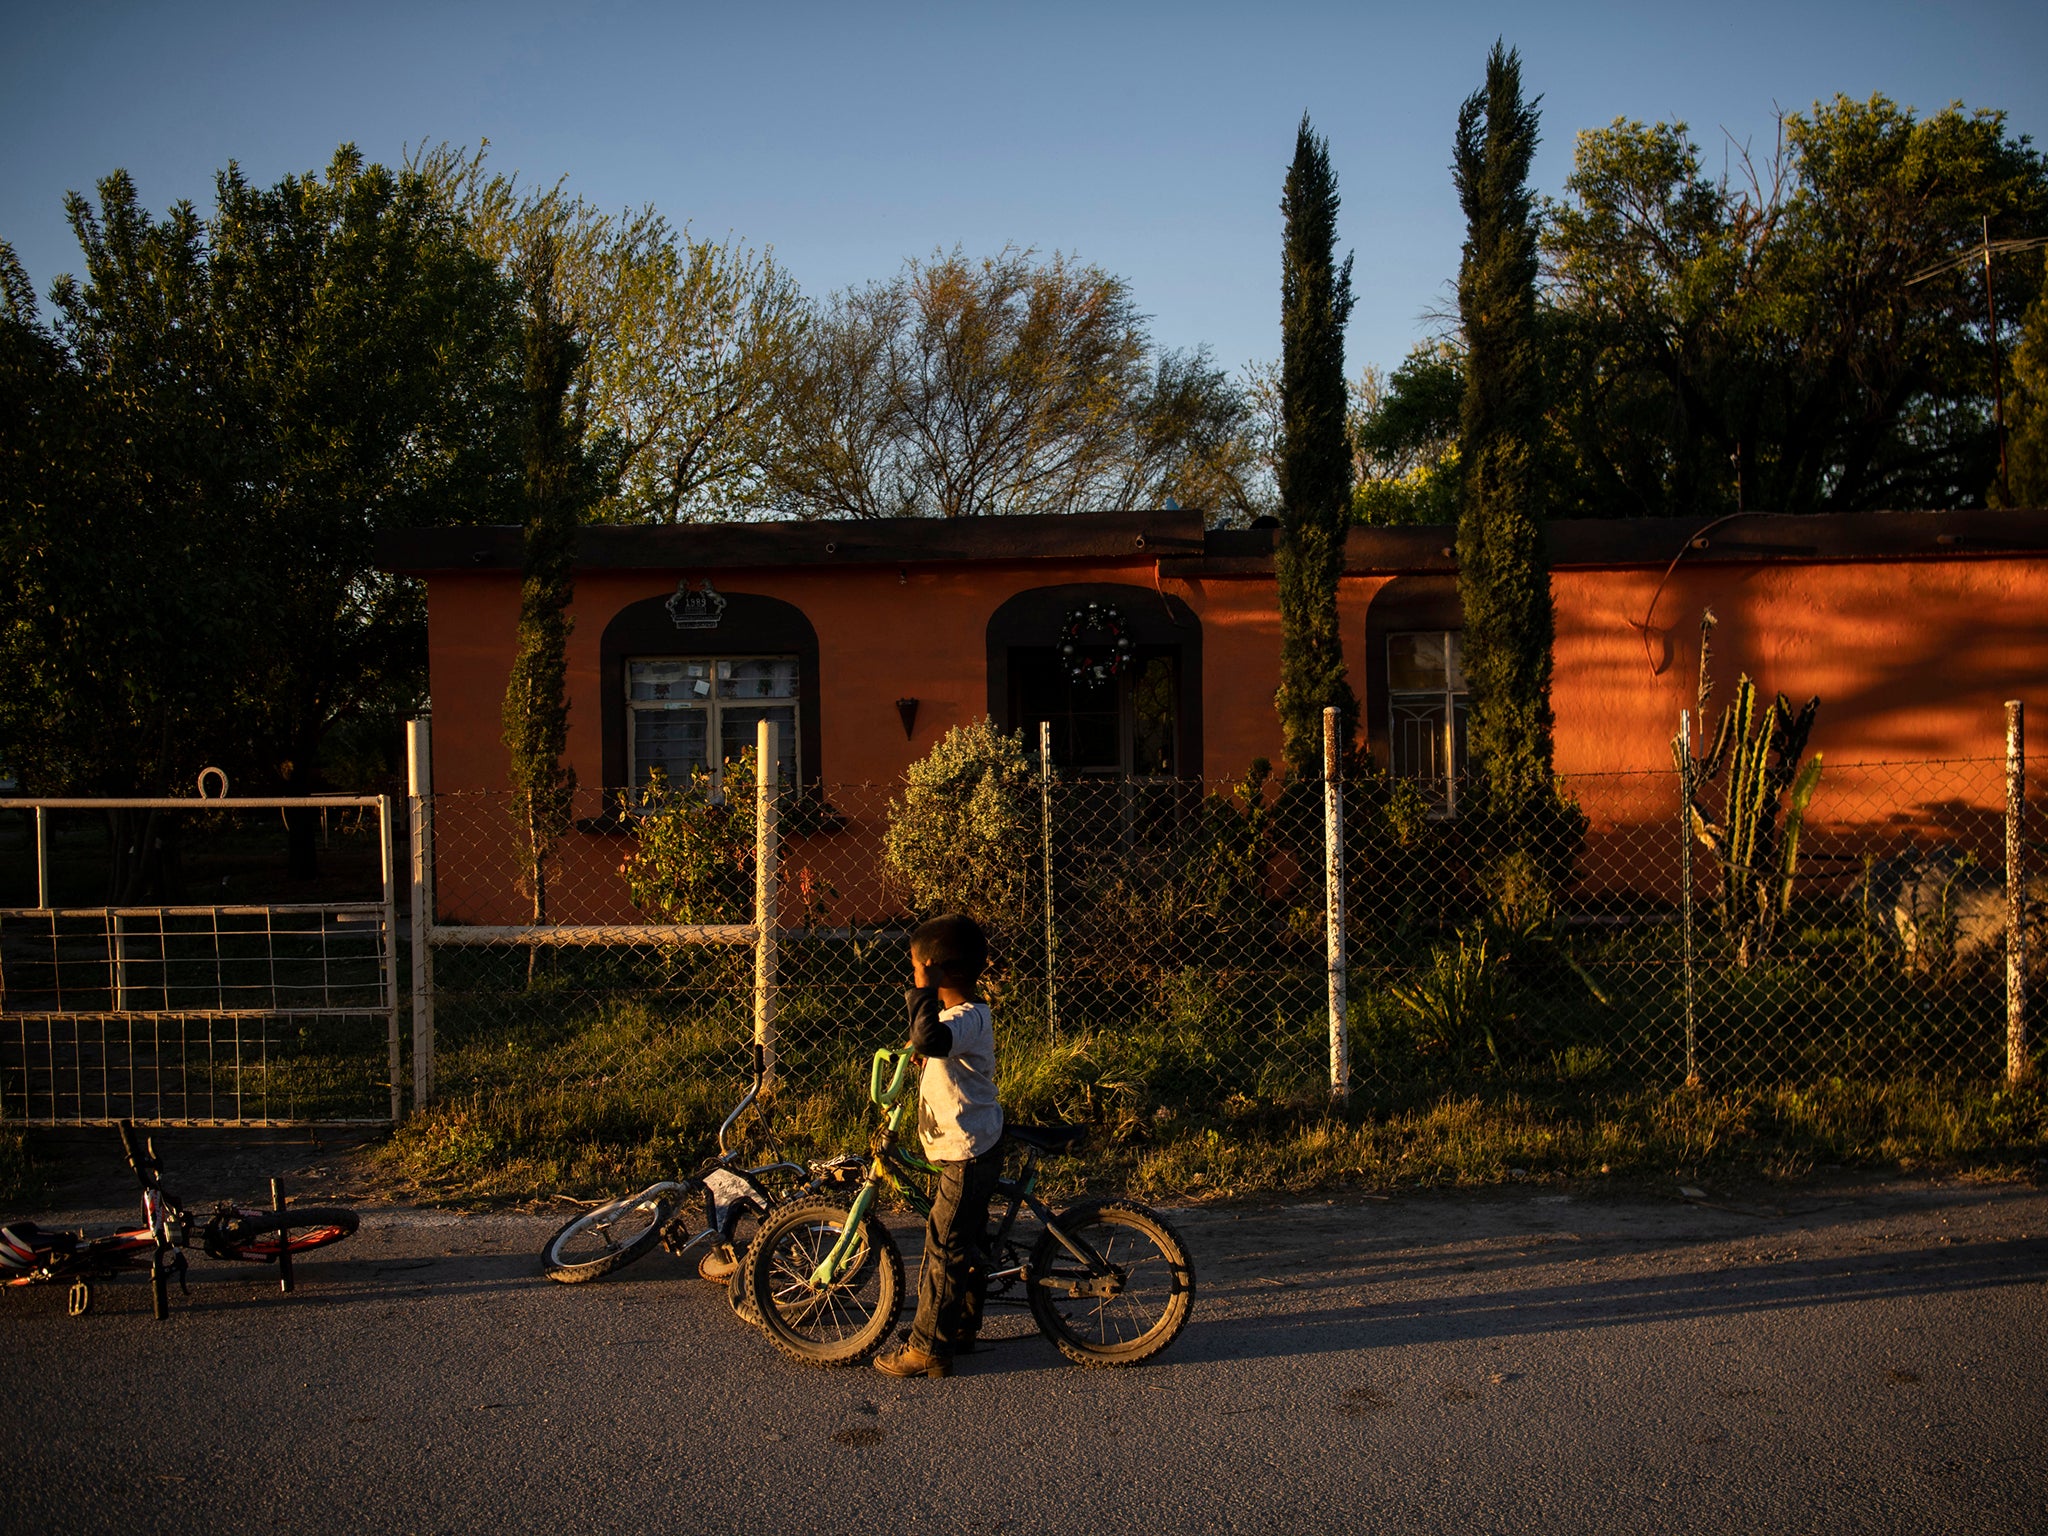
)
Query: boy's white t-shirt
[{"x": 958, "y": 1114}]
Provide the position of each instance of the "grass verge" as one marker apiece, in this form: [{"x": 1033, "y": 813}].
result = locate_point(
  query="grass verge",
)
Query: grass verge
[{"x": 627, "y": 1095}]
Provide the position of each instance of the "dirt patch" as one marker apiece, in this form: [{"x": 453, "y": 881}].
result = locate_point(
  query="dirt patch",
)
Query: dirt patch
[{"x": 84, "y": 1169}]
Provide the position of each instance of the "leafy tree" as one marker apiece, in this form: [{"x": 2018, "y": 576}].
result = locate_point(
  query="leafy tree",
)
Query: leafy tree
[
  {"x": 1191, "y": 440},
  {"x": 117, "y": 637},
  {"x": 1503, "y": 562},
  {"x": 226, "y": 415},
  {"x": 366, "y": 349},
  {"x": 1404, "y": 438},
  {"x": 688, "y": 342},
  {"x": 556, "y": 488},
  {"x": 2027, "y": 410},
  {"x": 965, "y": 388},
  {"x": 1776, "y": 340},
  {"x": 1315, "y": 458}
]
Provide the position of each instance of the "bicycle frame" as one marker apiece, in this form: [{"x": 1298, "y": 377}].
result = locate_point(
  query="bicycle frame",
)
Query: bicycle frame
[
  {"x": 726, "y": 1159},
  {"x": 158, "y": 1245},
  {"x": 892, "y": 1164}
]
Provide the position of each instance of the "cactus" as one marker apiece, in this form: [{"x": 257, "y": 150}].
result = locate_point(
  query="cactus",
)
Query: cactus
[{"x": 1760, "y": 751}]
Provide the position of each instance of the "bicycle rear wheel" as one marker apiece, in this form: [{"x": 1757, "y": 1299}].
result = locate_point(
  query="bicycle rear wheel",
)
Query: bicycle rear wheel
[
  {"x": 839, "y": 1324},
  {"x": 1152, "y": 1299},
  {"x": 608, "y": 1238},
  {"x": 261, "y": 1235}
]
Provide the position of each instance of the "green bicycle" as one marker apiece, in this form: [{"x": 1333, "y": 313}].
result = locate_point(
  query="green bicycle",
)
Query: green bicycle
[{"x": 1108, "y": 1281}]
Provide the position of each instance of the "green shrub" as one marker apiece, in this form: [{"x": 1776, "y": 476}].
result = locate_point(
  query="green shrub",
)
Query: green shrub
[
  {"x": 965, "y": 835},
  {"x": 693, "y": 849}
]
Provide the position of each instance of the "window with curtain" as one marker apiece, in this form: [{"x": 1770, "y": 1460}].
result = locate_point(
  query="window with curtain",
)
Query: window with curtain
[{"x": 685, "y": 713}]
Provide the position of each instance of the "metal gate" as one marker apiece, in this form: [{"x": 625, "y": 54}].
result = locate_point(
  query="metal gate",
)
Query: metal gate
[{"x": 279, "y": 1012}]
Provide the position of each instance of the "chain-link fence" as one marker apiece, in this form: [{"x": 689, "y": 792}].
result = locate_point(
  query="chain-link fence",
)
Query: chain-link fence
[
  {"x": 1164, "y": 947},
  {"x": 1863, "y": 937}
]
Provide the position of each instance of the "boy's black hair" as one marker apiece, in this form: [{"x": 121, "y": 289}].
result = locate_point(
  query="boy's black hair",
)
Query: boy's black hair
[{"x": 953, "y": 948}]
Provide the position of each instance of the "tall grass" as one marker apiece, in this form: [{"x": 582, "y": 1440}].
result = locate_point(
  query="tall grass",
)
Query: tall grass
[{"x": 1197, "y": 1083}]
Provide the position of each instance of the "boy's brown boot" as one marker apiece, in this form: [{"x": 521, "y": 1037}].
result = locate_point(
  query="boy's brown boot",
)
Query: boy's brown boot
[{"x": 912, "y": 1361}]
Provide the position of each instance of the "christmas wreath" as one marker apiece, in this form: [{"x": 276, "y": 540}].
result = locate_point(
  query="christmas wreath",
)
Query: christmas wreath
[{"x": 1093, "y": 644}]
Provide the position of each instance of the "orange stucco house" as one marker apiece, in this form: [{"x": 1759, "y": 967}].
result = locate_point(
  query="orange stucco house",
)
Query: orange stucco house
[{"x": 868, "y": 640}]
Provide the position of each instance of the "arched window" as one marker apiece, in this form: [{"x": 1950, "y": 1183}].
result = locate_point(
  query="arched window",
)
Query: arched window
[
  {"x": 1141, "y": 719},
  {"x": 688, "y": 677}
]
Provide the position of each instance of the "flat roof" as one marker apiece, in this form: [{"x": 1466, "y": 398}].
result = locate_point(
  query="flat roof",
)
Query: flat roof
[{"x": 1182, "y": 546}]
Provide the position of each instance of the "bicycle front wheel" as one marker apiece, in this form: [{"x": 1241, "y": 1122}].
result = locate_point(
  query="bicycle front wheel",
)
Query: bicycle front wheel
[
  {"x": 838, "y": 1324},
  {"x": 741, "y": 1230},
  {"x": 1144, "y": 1307},
  {"x": 608, "y": 1238}
]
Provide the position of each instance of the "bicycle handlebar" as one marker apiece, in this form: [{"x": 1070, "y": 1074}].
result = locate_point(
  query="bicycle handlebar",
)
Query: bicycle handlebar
[
  {"x": 746, "y": 1099},
  {"x": 139, "y": 1157},
  {"x": 889, "y": 1095}
]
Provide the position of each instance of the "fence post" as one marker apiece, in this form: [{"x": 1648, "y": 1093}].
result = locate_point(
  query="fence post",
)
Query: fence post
[
  {"x": 1333, "y": 903},
  {"x": 42, "y": 858},
  {"x": 767, "y": 749},
  {"x": 1045, "y": 836},
  {"x": 1692, "y": 1065},
  {"x": 387, "y": 962},
  {"x": 2018, "y": 1062},
  {"x": 419, "y": 764}
]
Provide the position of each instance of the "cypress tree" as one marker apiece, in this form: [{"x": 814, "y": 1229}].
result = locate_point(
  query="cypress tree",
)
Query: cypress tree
[
  {"x": 553, "y": 483},
  {"x": 1315, "y": 458},
  {"x": 1503, "y": 562}
]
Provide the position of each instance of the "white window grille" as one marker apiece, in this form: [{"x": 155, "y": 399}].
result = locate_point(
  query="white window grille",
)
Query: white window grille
[
  {"x": 686, "y": 714},
  {"x": 1426, "y": 710}
]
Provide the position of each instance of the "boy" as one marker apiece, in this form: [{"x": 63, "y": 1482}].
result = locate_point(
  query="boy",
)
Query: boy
[{"x": 959, "y": 1123}]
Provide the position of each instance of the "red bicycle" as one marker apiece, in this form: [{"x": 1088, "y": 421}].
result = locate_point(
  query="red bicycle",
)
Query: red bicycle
[{"x": 33, "y": 1255}]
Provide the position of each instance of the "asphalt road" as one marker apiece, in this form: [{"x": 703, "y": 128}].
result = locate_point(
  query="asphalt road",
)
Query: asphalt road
[{"x": 1860, "y": 1358}]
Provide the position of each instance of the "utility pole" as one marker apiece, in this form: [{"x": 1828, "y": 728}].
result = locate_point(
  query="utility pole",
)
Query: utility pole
[
  {"x": 1987, "y": 249},
  {"x": 1997, "y": 368}
]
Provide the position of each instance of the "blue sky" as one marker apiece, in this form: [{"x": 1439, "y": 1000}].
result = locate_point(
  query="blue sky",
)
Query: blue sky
[{"x": 1150, "y": 139}]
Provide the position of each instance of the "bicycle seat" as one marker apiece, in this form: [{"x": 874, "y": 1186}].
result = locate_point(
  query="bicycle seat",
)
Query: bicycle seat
[
  {"x": 1047, "y": 1138},
  {"x": 24, "y": 1245}
]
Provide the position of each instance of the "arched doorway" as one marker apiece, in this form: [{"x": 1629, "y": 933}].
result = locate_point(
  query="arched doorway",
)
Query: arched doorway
[{"x": 1141, "y": 719}]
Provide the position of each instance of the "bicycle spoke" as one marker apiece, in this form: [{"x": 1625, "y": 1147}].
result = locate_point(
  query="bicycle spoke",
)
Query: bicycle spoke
[
  {"x": 1143, "y": 1298},
  {"x": 828, "y": 1313}
]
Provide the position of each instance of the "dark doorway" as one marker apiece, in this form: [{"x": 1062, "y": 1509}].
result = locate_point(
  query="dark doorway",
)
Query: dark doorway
[
  {"x": 1122, "y": 727},
  {"x": 1142, "y": 723}
]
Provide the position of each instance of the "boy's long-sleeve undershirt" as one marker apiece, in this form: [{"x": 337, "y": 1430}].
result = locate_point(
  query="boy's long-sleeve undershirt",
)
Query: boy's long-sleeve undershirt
[{"x": 928, "y": 1035}]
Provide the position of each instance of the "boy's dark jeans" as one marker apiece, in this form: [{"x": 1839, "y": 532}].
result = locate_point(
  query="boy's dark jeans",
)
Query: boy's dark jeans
[{"x": 953, "y": 1280}]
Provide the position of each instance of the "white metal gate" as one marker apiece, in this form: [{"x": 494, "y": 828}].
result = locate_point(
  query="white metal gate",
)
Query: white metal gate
[{"x": 246, "y": 1013}]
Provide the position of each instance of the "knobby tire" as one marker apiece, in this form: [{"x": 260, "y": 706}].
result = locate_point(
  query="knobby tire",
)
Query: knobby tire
[
  {"x": 1120, "y": 1330},
  {"x": 843, "y": 1324}
]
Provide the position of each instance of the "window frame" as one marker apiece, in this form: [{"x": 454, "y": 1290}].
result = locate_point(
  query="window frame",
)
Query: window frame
[
  {"x": 712, "y": 708},
  {"x": 1456, "y": 706},
  {"x": 1032, "y": 618},
  {"x": 1125, "y": 685}
]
